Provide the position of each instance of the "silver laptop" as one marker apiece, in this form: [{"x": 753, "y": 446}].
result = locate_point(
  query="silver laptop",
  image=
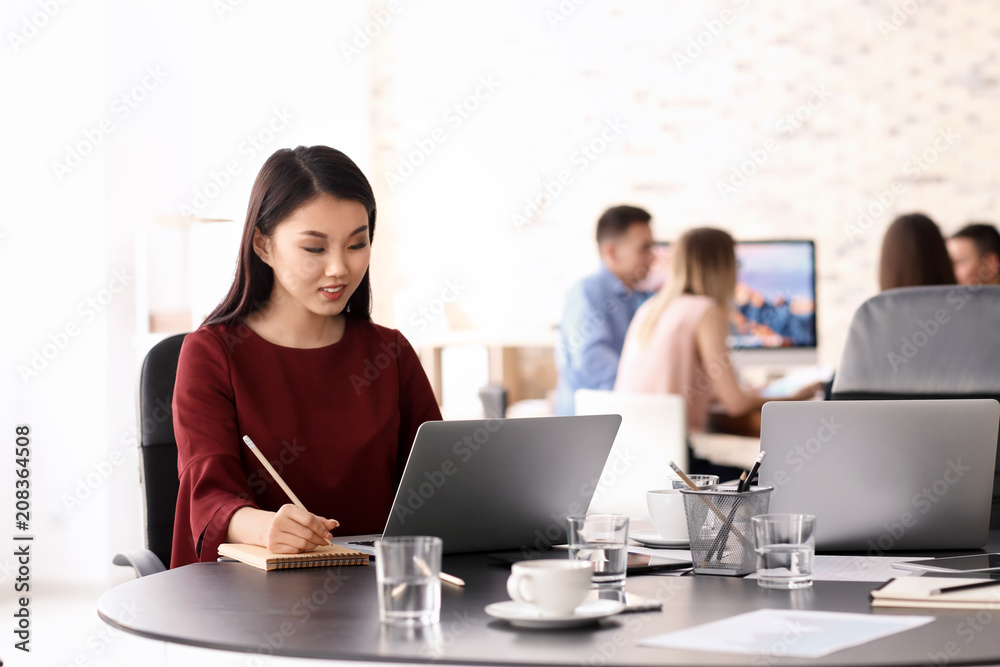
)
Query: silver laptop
[
  {"x": 884, "y": 475},
  {"x": 498, "y": 484}
]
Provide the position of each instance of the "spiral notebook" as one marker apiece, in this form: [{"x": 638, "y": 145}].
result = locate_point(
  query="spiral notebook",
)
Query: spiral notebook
[{"x": 264, "y": 559}]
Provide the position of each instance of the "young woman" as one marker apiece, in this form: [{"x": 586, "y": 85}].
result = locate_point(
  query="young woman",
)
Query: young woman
[
  {"x": 291, "y": 358},
  {"x": 676, "y": 343}
]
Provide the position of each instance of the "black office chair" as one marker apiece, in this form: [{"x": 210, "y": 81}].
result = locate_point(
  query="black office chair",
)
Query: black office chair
[
  {"x": 925, "y": 342},
  {"x": 157, "y": 457}
]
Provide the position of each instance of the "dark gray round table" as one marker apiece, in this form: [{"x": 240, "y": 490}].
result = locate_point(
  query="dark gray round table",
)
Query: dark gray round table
[{"x": 332, "y": 613}]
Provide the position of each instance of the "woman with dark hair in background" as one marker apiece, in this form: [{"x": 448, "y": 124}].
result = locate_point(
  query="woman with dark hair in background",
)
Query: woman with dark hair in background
[
  {"x": 914, "y": 253},
  {"x": 292, "y": 359}
]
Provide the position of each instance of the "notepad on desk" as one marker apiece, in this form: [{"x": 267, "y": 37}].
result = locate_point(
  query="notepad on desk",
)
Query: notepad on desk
[
  {"x": 934, "y": 593},
  {"x": 263, "y": 559}
]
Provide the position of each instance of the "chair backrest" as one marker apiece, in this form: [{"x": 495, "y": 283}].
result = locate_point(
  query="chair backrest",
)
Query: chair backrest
[
  {"x": 494, "y": 399},
  {"x": 651, "y": 435},
  {"x": 157, "y": 446},
  {"x": 925, "y": 342}
]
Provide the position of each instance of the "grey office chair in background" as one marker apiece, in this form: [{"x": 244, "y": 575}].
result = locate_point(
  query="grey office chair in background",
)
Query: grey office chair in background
[
  {"x": 494, "y": 399},
  {"x": 925, "y": 342},
  {"x": 157, "y": 457}
]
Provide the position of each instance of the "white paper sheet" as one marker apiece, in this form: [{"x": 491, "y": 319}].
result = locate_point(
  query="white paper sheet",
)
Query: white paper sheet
[{"x": 786, "y": 632}]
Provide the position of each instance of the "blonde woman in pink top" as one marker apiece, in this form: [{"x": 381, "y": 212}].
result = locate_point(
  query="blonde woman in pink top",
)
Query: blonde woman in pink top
[{"x": 676, "y": 343}]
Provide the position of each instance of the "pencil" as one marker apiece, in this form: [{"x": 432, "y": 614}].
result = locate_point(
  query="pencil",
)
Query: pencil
[
  {"x": 965, "y": 587},
  {"x": 274, "y": 473}
]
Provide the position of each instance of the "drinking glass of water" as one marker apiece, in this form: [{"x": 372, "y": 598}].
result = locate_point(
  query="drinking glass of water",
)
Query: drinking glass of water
[
  {"x": 409, "y": 589},
  {"x": 785, "y": 549},
  {"x": 603, "y": 540}
]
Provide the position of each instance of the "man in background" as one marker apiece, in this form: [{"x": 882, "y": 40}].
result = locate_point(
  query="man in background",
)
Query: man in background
[
  {"x": 600, "y": 307},
  {"x": 975, "y": 254}
]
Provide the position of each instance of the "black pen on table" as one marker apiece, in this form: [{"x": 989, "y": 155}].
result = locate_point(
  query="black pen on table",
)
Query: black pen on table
[{"x": 965, "y": 587}]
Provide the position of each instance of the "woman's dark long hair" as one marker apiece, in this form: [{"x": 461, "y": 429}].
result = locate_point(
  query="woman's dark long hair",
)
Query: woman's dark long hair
[
  {"x": 289, "y": 179},
  {"x": 914, "y": 253}
]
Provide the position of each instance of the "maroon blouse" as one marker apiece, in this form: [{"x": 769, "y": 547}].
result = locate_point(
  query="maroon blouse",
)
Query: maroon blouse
[{"x": 336, "y": 422}]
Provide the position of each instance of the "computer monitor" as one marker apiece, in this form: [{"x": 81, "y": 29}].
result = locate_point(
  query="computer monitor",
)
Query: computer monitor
[{"x": 775, "y": 301}]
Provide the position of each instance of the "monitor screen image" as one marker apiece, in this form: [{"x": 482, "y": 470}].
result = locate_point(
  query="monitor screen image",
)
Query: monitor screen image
[{"x": 775, "y": 300}]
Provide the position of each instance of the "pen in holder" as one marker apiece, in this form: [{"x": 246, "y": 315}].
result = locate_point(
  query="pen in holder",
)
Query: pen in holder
[{"x": 718, "y": 520}]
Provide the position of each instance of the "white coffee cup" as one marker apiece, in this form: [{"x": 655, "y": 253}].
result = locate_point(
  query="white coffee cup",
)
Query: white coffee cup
[
  {"x": 554, "y": 587},
  {"x": 666, "y": 511}
]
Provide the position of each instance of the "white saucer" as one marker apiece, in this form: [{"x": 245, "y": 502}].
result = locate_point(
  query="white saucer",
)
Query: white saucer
[
  {"x": 651, "y": 538},
  {"x": 525, "y": 615}
]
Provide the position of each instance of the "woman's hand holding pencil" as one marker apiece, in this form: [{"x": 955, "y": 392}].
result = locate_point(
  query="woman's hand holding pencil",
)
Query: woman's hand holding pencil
[{"x": 294, "y": 530}]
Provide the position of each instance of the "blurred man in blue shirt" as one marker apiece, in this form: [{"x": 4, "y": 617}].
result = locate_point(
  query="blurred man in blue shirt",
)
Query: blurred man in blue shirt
[{"x": 600, "y": 307}]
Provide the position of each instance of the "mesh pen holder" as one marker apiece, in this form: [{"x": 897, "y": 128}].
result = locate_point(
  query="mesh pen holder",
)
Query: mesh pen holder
[{"x": 718, "y": 520}]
